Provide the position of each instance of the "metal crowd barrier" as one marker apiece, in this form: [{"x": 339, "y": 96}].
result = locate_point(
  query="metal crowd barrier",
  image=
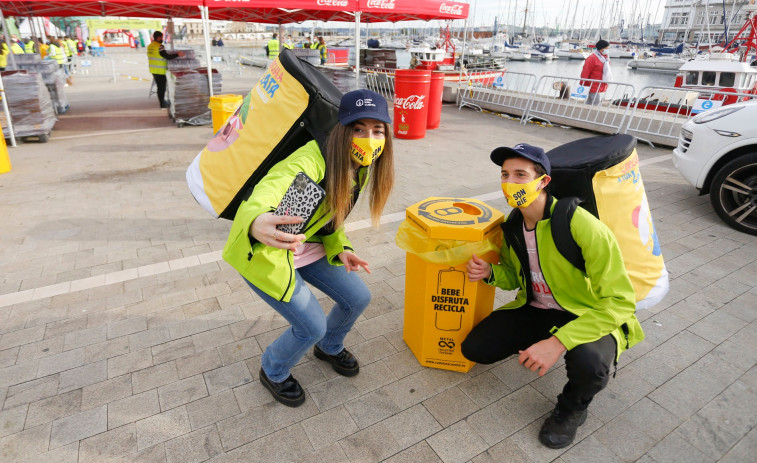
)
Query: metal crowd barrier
[
  {"x": 509, "y": 93},
  {"x": 563, "y": 100},
  {"x": 380, "y": 81},
  {"x": 91, "y": 66},
  {"x": 658, "y": 113}
]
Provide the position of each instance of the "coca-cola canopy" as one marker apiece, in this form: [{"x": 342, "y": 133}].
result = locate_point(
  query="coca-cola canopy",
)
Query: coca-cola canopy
[
  {"x": 261, "y": 11},
  {"x": 135, "y": 8}
]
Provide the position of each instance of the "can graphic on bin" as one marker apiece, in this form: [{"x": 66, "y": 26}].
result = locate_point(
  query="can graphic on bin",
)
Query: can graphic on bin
[
  {"x": 411, "y": 96},
  {"x": 440, "y": 235}
]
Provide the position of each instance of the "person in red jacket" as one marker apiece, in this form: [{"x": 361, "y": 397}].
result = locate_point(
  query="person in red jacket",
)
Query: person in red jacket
[{"x": 597, "y": 67}]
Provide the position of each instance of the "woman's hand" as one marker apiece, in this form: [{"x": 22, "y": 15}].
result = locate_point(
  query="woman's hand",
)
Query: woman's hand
[
  {"x": 352, "y": 262},
  {"x": 264, "y": 230},
  {"x": 542, "y": 355},
  {"x": 478, "y": 269}
]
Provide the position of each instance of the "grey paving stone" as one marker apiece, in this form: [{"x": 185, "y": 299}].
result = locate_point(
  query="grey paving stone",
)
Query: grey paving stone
[
  {"x": 651, "y": 418},
  {"x": 154, "y": 454},
  {"x": 125, "y": 327},
  {"x": 634, "y": 444},
  {"x": 172, "y": 350},
  {"x": 79, "y": 426},
  {"x": 418, "y": 453},
  {"x": 675, "y": 448},
  {"x": 53, "y": 408},
  {"x": 40, "y": 349},
  {"x": 194, "y": 447},
  {"x": 77, "y": 378},
  {"x": 329, "y": 427},
  {"x": 181, "y": 392},
  {"x": 331, "y": 453},
  {"x": 269, "y": 448},
  {"x": 83, "y": 338},
  {"x": 133, "y": 408},
  {"x": 457, "y": 443},
  {"x": 227, "y": 377},
  {"x": 20, "y": 373},
  {"x": 371, "y": 408},
  {"x": 484, "y": 388},
  {"x": 371, "y": 444},
  {"x": 148, "y": 338},
  {"x": 253, "y": 395},
  {"x": 31, "y": 391},
  {"x": 153, "y": 377},
  {"x": 61, "y": 362},
  {"x": 224, "y": 317},
  {"x": 212, "y": 338},
  {"x": 21, "y": 337},
  {"x": 450, "y": 406},
  {"x": 109, "y": 445},
  {"x": 106, "y": 350},
  {"x": 412, "y": 426},
  {"x": 27, "y": 444},
  {"x": 8, "y": 357},
  {"x": 239, "y": 350},
  {"x": 198, "y": 363},
  {"x": 106, "y": 391},
  {"x": 744, "y": 450},
  {"x": 717, "y": 327},
  {"x": 128, "y": 363},
  {"x": 589, "y": 450},
  {"x": 209, "y": 410},
  {"x": 162, "y": 427},
  {"x": 182, "y": 328},
  {"x": 12, "y": 420}
]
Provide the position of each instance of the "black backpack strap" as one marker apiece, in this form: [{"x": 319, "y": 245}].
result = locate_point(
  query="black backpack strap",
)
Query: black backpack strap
[{"x": 564, "y": 241}]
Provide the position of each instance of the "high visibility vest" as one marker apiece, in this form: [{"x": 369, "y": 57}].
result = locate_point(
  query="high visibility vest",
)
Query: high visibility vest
[
  {"x": 4, "y": 52},
  {"x": 324, "y": 53},
  {"x": 72, "y": 46},
  {"x": 16, "y": 48},
  {"x": 54, "y": 52},
  {"x": 158, "y": 64},
  {"x": 29, "y": 47},
  {"x": 314, "y": 46},
  {"x": 65, "y": 47},
  {"x": 288, "y": 45},
  {"x": 273, "y": 48}
]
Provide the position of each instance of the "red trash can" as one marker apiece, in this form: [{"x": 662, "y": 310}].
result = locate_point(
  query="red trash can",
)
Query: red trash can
[
  {"x": 435, "y": 100},
  {"x": 411, "y": 88}
]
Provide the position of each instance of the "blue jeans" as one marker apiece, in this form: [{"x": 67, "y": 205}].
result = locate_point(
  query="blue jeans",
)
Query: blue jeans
[{"x": 309, "y": 325}]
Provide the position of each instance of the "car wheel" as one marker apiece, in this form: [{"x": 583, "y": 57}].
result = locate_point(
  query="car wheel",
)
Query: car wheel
[{"x": 733, "y": 193}]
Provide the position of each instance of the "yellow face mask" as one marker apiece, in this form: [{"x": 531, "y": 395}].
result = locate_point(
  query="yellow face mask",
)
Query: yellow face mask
[
  {"x": 521, "y": 194},
  {"x": 366, "y": 150}
]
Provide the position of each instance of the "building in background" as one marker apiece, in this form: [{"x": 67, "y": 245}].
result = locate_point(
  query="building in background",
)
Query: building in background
[{"x": 701, "y": 21}]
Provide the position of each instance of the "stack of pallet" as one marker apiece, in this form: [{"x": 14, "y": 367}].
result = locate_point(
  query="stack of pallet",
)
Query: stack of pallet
[
  {"x": 29, "y": 103},
  {"x": 189, "y": 93}
]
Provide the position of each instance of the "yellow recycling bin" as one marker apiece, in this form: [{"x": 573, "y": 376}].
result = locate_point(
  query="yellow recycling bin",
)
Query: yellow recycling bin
[
  {"x": 5, "y": 160},
  {"x": 441, "y": 304},
  {"x": 222, "y": 107}
]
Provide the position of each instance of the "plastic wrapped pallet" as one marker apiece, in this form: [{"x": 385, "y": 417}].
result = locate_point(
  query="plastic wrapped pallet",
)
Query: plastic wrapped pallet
[
  {"x": 29, "y": 103},
  {"x": 52, "y": 75},
  {"x": 183, "y": 63},
  {"x": 189, "y": 95}
]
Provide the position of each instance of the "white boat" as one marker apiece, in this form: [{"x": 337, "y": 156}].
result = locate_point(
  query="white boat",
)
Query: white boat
[
  {"x": 621, "y": 52},
  {"x": 542, "y": 51},
  {"x": 514, "y": 54},
  {"x": 572, "y": 53},
  {"x": 658, "y": 63}
]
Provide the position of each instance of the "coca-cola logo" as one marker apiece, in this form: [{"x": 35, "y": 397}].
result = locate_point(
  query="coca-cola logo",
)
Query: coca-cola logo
[
  {"x": 381, "y": 4},
  {"x": 411, "y": 102},
  {"x": 451, "y": 9},
  {"x": 332, "y": 2}
]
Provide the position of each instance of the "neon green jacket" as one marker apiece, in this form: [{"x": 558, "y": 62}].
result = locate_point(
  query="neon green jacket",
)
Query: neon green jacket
[
  {"x": 272, "y": 269},
  {"x": 603, "y": 298}
]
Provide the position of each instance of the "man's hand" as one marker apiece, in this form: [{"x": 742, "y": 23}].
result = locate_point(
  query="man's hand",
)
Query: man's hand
[
  {"x": 352, "y": 262},
  {"x": 478, "y": 269},
  {"x": 542, "y": 355}
]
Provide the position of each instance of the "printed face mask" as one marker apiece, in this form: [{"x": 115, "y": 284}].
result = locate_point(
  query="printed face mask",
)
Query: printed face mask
[
  {"x": 521, "y": 194},
  {"x": 366, "y": 150}
]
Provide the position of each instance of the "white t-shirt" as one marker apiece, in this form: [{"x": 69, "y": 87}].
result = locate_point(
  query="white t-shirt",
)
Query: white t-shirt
[{"x": 543, "y": 298}]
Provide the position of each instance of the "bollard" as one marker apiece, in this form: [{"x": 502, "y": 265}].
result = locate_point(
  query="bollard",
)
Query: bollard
[
  {"x": 411, "y": 88},
  {"x": 441, "y": 305}
]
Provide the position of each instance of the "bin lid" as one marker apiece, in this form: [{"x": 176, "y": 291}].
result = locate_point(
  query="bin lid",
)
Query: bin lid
[{"x": 454, "y": 218}]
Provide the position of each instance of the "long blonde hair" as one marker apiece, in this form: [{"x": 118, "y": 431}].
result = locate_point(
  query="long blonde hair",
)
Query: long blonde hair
[{"x": 339, "y": 175}]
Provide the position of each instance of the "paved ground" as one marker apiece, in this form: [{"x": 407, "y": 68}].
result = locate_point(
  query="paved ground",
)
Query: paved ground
[{"x": 124, "y": 337}]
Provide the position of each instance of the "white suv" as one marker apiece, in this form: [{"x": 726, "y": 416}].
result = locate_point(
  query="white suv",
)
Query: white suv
[{"x": 717, "y": 153}]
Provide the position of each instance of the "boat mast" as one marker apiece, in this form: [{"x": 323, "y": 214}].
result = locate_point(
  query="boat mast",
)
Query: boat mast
[
  {"x": 573, "y": 23},
  {"x": 525, "y": 16}
]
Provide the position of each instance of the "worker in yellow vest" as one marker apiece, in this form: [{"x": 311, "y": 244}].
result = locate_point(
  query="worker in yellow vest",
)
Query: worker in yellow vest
[
  {"x": 321, "y": 46},
  {"x": 16, "y": 48},
  {"x": 29, "y": 46},
  {"x": 71, "y": 43},
  {"x": 4, "y": 52},
  {"x": 272, "y": 47},
  {"x": 42, "y": 47},
  {"x": 157, "y": 60},
  {"x": 313, "y": 43},
  {"x": 288, "y": 43},
  {"x": 55, "y": 53}
]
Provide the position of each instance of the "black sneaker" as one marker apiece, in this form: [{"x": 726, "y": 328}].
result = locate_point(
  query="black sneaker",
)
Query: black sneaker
[
  {"x": 343, "y": 363},
  {"x": 288, "y": 392},
  {"x": 559, "y": 430}
]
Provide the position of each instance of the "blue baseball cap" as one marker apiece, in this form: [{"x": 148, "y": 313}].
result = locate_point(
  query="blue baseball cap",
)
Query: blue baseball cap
[
  {"x": 522, "y": 150},
  {"x": 363, "y": 104}
]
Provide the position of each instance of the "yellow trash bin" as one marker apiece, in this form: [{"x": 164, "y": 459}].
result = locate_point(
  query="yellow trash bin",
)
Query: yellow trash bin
[
  {"x": 441, "y": 304},
  {"x": 222, "y": 107},
  {"x": 5, "y": 160}
]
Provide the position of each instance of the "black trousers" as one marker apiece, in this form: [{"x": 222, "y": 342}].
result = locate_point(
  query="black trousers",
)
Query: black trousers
[
  {"x": 160, "y": 82},
  {"x": 505, "y": 332}
]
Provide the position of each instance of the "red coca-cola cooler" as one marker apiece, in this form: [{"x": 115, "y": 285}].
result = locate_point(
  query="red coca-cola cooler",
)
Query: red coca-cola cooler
[
  {"x": 435, "y": 100},
  {"x": 411, "y": 96}
]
